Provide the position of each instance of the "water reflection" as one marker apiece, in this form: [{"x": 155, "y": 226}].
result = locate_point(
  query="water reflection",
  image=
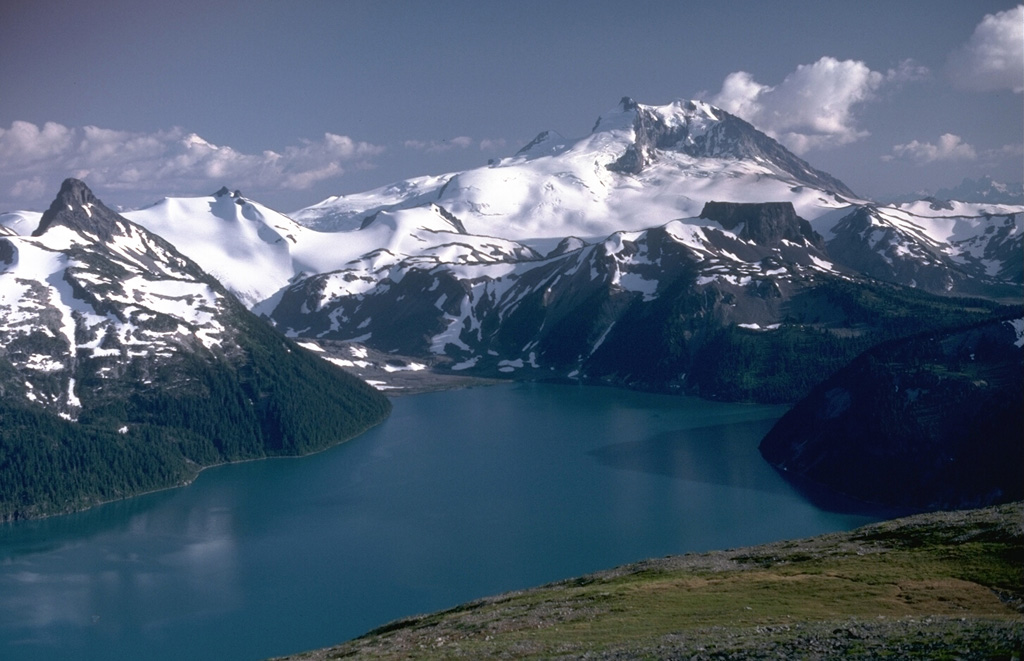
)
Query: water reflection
[
  {"x": 61, "y": 598},
  {"x": 719, "y": 454},
  {"x": 165, "y": 568}
]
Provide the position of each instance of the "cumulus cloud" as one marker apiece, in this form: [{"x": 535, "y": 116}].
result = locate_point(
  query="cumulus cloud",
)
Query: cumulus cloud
[
  {"x": 1006, "y": 151},
  {"x": 164, "y": 161},
  {"x": 28, "y": 189},
  {"x": 815, "y": 106},
  {"x": 741, "y": 95},
  {"x": 949, "y": 148},
  {"x": 993, "y": 57},
  {"x": 26, "y": 144}
]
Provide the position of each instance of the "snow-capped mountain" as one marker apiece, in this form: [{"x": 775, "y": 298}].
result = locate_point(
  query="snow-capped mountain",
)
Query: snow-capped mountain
[
  {"x": 640, "y": 167},
  {"x": 246, "y": 246},
  {"x": 511, "y": 313},
  {"x": 14, "y": 223},
  {"x": 256, "y": 252},
  {"x": 126, "y": 366},
  {"x": 89, "y": 291},
  {"x": 942, "y": 247},
  {"x": 645, "y": 176},
  {"x": 984, "y": 189}
]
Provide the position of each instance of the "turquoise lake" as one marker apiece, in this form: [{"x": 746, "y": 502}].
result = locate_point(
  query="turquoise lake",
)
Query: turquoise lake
[{"x": 459, "y": 494}]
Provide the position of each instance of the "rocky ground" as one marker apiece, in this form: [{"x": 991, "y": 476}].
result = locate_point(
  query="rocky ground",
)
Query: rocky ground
[{"x": 392, "y": 374}]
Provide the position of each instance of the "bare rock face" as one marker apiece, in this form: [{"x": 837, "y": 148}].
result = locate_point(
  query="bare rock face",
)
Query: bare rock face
[
  {"x": 8, "y": 253},
  {"x": 764, "y": 223},
  {"x": 77, "y": 208}
]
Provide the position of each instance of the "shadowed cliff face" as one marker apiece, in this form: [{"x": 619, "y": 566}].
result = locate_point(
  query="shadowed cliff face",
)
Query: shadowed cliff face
[
  {"x": 932, "y": 422},
  {"x": 766, "y": 223}
]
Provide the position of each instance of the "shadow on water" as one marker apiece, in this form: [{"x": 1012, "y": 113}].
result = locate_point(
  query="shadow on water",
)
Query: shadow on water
[
  {"x": 719, "y": 454},
  {"x": 839, "y": 503},
  {"x": 723, "y": 455}
]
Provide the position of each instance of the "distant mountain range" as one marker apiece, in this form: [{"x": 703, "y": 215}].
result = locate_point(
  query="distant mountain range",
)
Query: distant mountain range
[
  {"x": 984, "y": 189},
  {"x": 674, "y": 248}
]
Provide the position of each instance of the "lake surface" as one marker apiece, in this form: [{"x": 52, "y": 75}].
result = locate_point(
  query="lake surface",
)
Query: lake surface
[{"x": 460, "y": 494}]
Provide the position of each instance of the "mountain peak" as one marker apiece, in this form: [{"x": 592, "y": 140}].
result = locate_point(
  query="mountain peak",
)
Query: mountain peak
[
  {"x": 74, "y": 191},
  {"x": 76, "y": 207},
  {"x": 226, "y": 192},
  {"x": 700, "y": 130}
]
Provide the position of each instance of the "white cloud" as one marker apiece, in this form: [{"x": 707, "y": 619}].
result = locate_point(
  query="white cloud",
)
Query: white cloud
[
  {"x": 993, "y": 57},
  {"x": 813, "y": 107},
  {"x": 949, "y": 148},
  {"x": 28, "y": 188},
  {"x": 908, "y": 71},
  {"x": 26, "y": 144},
  {"x": 1006, "y": 151},
  {"x": 741, "y": 95},
  {"x": 435, "y": 146},
  {"x": 165, "y": 161},
  {"x": 493, "y": 144}
]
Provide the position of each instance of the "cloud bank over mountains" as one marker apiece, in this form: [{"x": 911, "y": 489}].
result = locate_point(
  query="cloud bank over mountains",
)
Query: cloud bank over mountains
[
  {"x": 167, "y": 161},
  {"x": 176, "y": 161},
  {"x": 949, "y": 148}
]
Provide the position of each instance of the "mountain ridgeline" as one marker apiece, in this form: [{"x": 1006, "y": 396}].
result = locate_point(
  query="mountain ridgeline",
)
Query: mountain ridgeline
[
  {"x": 746, "y": 306},
  {"x": 124, "y": 368}
]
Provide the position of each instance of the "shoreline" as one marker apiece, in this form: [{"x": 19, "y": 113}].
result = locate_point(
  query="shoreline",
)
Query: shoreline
[{"x": 198, "y": 471}]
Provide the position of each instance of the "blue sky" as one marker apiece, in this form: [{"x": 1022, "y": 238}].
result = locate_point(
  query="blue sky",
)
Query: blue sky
[{"x": 293, "y": 102}]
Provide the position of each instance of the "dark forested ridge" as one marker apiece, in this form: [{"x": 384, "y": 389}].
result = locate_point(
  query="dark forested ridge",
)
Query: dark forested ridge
[
  {"x": 280, "y": 400},
  {"x": 929, "y": 422},
  {"x": 671, "y": 344}
]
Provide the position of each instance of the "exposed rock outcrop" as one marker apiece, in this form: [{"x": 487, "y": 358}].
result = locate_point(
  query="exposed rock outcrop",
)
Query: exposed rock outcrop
[{"x": 764, "y": 223}]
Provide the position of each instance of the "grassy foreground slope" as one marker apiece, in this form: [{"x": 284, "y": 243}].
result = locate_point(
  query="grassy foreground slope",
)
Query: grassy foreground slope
[{"x": 942, "y": 585}]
